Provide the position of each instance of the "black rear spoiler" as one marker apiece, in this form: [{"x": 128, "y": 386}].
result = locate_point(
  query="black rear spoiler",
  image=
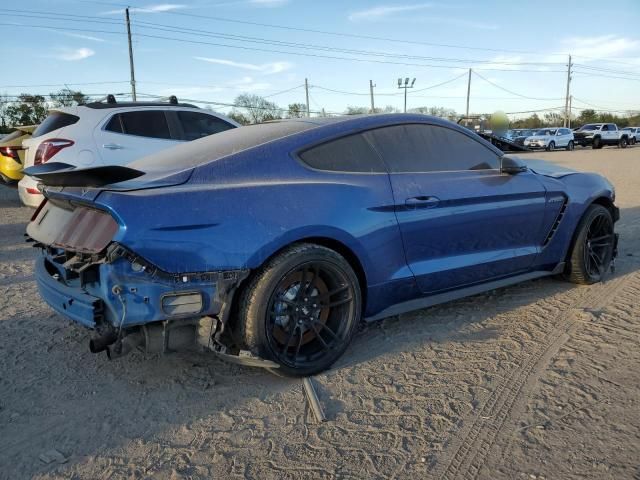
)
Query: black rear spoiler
[{"x": 57, "y": 174}]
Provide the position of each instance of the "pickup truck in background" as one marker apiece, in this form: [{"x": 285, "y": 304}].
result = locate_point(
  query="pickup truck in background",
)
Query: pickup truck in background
[
  {"x": 600, "y": 134},
  {"x": 634, "y": 134}
]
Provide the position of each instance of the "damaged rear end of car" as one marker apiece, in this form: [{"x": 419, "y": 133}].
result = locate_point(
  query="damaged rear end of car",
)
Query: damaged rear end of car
[{"x": 87, "y": 273}]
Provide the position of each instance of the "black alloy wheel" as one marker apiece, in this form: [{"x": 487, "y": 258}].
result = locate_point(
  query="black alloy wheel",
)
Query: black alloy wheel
[
  {"x": 593, "y": 247},
  {"x": 301, "y": 309}
]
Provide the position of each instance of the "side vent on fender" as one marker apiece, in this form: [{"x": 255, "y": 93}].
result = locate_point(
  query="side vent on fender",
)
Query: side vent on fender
[{"x": 556, "y": 223}]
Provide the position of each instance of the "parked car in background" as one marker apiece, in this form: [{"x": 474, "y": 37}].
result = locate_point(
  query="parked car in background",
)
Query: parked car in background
[
  {"x": 550, "y": 139},
  {"x": 598, "y": 135},
  {"x": 350, "y": 218},
  {"x": 12, "y": 154},
  {"x": 519, "y": 136},
  {"x": 633, "y": 134},
  {"x": 111, "y": 133}
]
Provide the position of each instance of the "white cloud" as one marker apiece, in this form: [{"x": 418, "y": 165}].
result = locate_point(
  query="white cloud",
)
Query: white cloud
[
  {"x": 156, "y": 8},
  {"x": 79, "y": 35},
  {"x": 602, "y": 46},
  {"x": 268, "y": 3},
  {"x": 265, "y": 68},
  {"x": 382, "y": 11},
  {"x": 73, "y": 54}
]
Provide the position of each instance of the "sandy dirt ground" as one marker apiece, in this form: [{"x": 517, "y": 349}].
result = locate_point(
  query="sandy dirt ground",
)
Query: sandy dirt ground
[{"x": 540, "y": 380}]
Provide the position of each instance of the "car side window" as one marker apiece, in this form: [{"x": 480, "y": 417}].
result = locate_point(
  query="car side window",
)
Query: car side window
[
  {"x": 430, "y": 148},
  {"x": 347, "y": 154},
  {"x": 197, "y": 125},
  {"x": 145, "y": 123},
  {"x": 612, "y": 127},
  {"x": 114, "y": 125},
  {"x": 605, "y": 128}
]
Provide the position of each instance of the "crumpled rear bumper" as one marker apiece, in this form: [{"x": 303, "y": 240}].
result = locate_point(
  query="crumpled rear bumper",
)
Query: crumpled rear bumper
[
  {"x": 68, "y": 301},
  {"x": 122, "y": 290}
]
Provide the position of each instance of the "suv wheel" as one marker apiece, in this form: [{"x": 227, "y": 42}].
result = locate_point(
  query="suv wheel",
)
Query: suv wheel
[
  {"x": 570, "y": 145},
  {"x": 623, "y": 142},
  {"x": 301, "y": 309},
  {"x": 551, "y": 146}
]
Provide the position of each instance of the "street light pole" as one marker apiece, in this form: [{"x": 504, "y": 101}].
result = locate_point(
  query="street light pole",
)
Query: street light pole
[{"x": 405, "y": 86}]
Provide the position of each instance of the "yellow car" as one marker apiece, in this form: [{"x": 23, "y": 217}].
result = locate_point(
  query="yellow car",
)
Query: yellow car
[{"x": 12, "y": 154}]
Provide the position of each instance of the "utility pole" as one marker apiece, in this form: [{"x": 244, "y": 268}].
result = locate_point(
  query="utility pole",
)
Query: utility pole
[
  {"x": 371, "y": 85},
  {"x": 468, "y": 95},
  {"x": 406, "y": 86},
  {"x": 566, "y": 100},
  {"x": 570, "y": 101},
  {"x": 133, "y": 75},
  {"x": 306, "y": 91}
]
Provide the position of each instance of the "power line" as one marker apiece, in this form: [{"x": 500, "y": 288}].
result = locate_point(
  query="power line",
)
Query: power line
[{"x": 511, "y": 91}]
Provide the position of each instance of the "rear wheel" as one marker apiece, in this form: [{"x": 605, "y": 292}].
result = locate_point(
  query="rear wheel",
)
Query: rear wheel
[
  {"x": 570, "y": 145},
  {"x": 592, "y": 248},
  {"x": 623, "y": 142},
  {"x": 301, "y": 309}
]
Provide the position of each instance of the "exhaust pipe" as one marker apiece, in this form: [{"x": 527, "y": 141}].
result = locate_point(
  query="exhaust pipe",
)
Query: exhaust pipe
[
  {"x": 124, "y": 346},
  {"x": 100, "y": 344}
]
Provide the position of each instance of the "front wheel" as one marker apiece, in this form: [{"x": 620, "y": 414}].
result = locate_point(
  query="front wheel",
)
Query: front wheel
[
  {"x": 593, "y": 245},
  {"x": 301, "y": 309},
  {"x": 596, "y": 143},
  {"x": 570, "y": 145},
  {"x": 551, "y": 146}
]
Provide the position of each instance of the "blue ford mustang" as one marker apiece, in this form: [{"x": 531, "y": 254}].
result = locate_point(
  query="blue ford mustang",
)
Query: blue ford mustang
[{"x": 269, "y": 243}]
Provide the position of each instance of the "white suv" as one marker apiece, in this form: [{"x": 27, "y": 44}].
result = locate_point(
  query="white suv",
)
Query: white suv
[
  {"x": 110, "y": 133},
  {"x": 550, "y": 139}
]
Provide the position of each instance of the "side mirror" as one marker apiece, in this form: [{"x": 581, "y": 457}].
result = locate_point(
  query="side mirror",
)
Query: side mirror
[{"x": 512, "y": 165}]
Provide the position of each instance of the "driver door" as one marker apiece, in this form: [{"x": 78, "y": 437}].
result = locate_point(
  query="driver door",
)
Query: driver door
[{"x": 462, "y": 221}]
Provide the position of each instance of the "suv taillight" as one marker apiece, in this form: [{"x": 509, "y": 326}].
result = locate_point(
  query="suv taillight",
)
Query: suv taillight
[
  {"x": 49, "y": 148},
  {"x": 11, "y": 152}
]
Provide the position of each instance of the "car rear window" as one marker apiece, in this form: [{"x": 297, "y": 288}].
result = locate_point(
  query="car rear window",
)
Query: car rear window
[
  {"x": 54, "y": 121},
  {"x": 220, "y": 145},
  {"x": 196, "y": 125}
]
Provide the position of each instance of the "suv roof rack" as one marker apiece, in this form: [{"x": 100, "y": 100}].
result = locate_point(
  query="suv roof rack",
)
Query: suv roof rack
[{"x": 110, "y": 102}]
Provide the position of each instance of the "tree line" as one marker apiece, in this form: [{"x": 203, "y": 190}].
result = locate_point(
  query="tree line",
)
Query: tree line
[{"x": 30, "y": 109}]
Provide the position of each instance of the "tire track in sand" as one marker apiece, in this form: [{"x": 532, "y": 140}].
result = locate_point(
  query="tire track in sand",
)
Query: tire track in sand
[{"x": 476, "y": 441}]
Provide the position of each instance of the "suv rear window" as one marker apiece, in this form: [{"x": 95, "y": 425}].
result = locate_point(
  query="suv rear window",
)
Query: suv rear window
[
  {"x": 54, "y": 121},
  {"x": 196, "y": 125},
  {"x": 149, "y": 123}
]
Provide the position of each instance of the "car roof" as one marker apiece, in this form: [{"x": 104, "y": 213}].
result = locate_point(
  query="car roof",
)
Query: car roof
[
  {"x": 236, "y": 140},
  {"x": 101, "y": 105}
]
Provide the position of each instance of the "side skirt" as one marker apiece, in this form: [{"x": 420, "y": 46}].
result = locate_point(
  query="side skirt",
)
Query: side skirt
[{"x": 424, "y": 302}]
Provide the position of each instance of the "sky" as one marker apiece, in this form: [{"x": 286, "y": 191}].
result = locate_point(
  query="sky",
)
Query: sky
[{"x": 215, "y": 50}]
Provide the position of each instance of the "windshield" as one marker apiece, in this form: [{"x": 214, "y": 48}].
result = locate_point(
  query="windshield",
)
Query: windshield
[
  {"x": 542, "y": 132},
  {"x": 12, "y": 136},
  {"x": 590, "y": 127}
]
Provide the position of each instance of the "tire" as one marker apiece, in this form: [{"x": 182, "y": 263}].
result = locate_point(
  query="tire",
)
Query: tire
[
  {"x": 596, "y": 143},
  {"x": 582, "y": 267},
  {"x": 570, "y": 145},
  {"x": 623, "y": 142},
  {"x": 273, "y": 312},
  {"x": 551, "y": 146}
]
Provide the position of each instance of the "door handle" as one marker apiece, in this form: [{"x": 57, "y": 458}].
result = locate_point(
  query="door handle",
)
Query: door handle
[
  {"x": 422, "y": 201},
  {"x": 112, "y": 146}
]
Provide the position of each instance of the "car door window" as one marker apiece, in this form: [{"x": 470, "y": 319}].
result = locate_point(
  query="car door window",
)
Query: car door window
[
  {"x": 347, "y": 154},
  {"x": 149, "y": 123},
  {"x": 430, "y": 148},
  {"x": 197, "y": 125}
]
